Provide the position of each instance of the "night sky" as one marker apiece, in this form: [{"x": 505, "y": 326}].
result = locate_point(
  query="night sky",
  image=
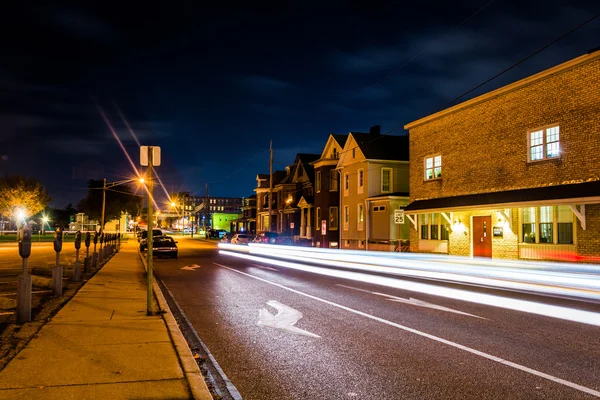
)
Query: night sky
[{"x": 212, "y": 86}]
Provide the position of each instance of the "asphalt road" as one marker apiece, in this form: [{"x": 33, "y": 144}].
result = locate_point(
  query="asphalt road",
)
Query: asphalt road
[{"x": 367, "y": 341}]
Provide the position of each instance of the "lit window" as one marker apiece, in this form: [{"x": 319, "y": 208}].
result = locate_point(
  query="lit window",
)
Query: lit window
[
  {"x": 318, "y": 181},
  {"x": 547, "y": 225},
  {"x": 433, "y": 167},
  {"x": 361, "y": 217},
  {"x": 346, "y": 184},
  {"x": 544, "y": 143},
  {"x": 361, "y": 182},
  {"x": 318, "y": 218},
  {"x": 346, "y": 217},
  {"x": 386, "y": 180},
  {"x": 528, "y": 224},
  {"x": 434, "y": 227}
]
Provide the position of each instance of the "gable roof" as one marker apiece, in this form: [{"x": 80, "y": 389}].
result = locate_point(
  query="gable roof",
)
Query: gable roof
[
  {"x": 382, "y": 147},
  {"x": 341, "y": 139}
]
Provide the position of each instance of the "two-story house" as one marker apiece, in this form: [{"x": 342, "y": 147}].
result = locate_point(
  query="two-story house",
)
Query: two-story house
[
  {"x": 264, "y": 222},
  {"x": 374, "y": 177},
  {"x": 327, "y": 197},
  {"x": 513, "y": 173}
]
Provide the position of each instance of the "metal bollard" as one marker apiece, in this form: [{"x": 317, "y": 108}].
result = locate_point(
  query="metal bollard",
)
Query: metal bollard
[
  {"x": 24, "y": 280},
  {"x": 57, "y": 270}
]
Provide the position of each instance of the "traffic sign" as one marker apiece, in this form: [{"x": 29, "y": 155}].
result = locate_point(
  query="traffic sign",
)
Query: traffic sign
[
  {"x": 155, "y": 156},
  {"x": 398, "y": 216}
]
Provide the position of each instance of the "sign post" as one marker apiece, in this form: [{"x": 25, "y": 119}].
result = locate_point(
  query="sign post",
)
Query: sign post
[{"x": 150, "y": 156}]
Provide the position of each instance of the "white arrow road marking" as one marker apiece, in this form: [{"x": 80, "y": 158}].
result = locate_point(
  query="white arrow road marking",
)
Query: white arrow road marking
[
  {"x": 191, "y": 268},
  {"x": 262, "y": 266},
  {"x": 285, "y": 318},
  {"x": 414, "y": 302}
]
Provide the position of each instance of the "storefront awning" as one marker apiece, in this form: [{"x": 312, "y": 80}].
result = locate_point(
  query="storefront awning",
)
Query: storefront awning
[{"x": 575, "y": 193}]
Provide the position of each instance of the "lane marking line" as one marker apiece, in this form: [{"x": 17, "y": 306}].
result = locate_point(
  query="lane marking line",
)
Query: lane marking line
[
  {"x": 429, "y": 336},
  {"x": 412, "y": 301}
]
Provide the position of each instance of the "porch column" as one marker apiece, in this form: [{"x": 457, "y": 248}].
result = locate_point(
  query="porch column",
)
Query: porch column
[
  {"x": 308, "y": 223},
  {"x": 302, "y": 230}
]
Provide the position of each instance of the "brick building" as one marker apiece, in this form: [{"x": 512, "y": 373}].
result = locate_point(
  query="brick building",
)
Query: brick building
[{"x": 514, "y": 173}]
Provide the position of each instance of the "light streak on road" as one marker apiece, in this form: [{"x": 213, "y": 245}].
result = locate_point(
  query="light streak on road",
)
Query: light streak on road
[
  {"x": 442, "y": 268},
  {"x": 569, "y": 314}
]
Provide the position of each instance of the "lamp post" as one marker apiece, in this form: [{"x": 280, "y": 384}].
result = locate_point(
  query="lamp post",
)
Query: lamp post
[{"x": 113, "y": 184}]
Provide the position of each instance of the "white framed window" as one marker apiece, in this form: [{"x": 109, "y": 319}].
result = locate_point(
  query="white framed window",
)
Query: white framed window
[
  {"x": 346, "y": 217},
  {"x": 361, "y": 180},
  {"x": 360, "y": 217},
  {"x": 318, "y": 219},
  {"x": 433, "y": 167},
  {"x": 543, "y": 143},
  {"x": 333, "y": 218},
  {"x": 346, "y": 184},
  {"x": 547, "y": 225},
  {"x": 386, "y": 180},
  {"x": 333, "y": 180},
  {"x": 433, "y": 227},
  {"x": 318, "y": 181}
]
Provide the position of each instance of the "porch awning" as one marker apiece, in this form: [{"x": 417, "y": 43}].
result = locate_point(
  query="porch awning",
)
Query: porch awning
[{"x": 574, "y": 193}]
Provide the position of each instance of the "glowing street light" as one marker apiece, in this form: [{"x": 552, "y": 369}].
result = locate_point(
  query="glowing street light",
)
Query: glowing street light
[{"x": 44, "y": 222}]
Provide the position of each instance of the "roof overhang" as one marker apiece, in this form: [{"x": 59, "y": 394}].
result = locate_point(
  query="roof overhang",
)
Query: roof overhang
[{"x": 576, "y": 193}]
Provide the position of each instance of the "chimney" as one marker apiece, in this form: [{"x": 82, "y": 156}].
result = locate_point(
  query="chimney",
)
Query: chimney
[{"x": 375, "y": 130}]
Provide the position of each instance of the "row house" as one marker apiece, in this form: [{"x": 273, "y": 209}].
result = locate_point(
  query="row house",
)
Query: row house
[
  {"x": 247, "y": 220},
  {"x": 327, "y": 197},
  {"x": 374, "y": 172},
  {"x": 513, "y": 173},
  {"x": 264, "y": 221}
]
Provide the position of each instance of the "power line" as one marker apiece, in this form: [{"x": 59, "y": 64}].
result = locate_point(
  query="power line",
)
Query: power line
[{"x": 521, "y": 61}]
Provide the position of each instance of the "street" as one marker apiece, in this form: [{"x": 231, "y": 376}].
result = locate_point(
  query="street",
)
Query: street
[{"x": 282, "y": 333}]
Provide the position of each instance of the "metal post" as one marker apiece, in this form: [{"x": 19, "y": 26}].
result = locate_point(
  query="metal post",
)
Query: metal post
[
  {"x": 76, "y": 268},
  {"x": 150, "y": 227},
  {"x": 57, "y": 274}
]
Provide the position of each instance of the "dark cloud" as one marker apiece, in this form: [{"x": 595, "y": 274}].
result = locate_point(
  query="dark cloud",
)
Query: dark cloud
[{"x": 212, "y": 86}]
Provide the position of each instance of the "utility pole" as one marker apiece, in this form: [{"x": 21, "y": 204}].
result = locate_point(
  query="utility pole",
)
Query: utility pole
[
  {"x": 270, "y": 183},
  {"x": 103, "y": 204},
  {"x": 206, "y": 211}
]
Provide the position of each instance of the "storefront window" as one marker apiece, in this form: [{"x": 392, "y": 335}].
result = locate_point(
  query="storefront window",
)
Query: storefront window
[
  {"x": 435, "y": 219},
  {"x": 424, "y": 226},
  {"x": 528, "y": 221},
  {"x": 565, "y": 225},
  {"x": 546, "y": 224}
]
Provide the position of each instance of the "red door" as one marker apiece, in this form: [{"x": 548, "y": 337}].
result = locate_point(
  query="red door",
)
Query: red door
[{"x": 482, "y": 236}]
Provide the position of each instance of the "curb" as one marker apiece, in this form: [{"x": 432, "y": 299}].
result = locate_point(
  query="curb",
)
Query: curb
[{"x": 192, "y": 372}]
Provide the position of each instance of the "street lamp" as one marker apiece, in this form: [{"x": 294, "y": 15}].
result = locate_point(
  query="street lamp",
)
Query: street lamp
[
  {"x": 44, "y": 222},
  {"x": 113, "y": 184}
]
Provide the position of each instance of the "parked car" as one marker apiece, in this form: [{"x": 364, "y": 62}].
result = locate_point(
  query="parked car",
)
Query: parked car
[
  {"x": 266, "y": 237},
  {"x": 144, "y": 237},
  {"x": 227, "y": 237},
  {"x": 164, "y": 245},
  {"x": 241, "y": 238},
  {"x": 216, "y": 233}
]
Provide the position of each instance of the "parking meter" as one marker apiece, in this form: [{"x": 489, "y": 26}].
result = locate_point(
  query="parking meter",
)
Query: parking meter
[
  {"x": 95, "y": 237},
  {"x": 78, "y": 240},
  {"x": 58, "y": 239},
  {"x": 25, "y": 242},
  {"x": 87, "y": 239}
]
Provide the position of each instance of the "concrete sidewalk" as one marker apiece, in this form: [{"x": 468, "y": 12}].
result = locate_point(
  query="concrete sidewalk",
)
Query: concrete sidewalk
[{"x": 102, "y": 345}]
